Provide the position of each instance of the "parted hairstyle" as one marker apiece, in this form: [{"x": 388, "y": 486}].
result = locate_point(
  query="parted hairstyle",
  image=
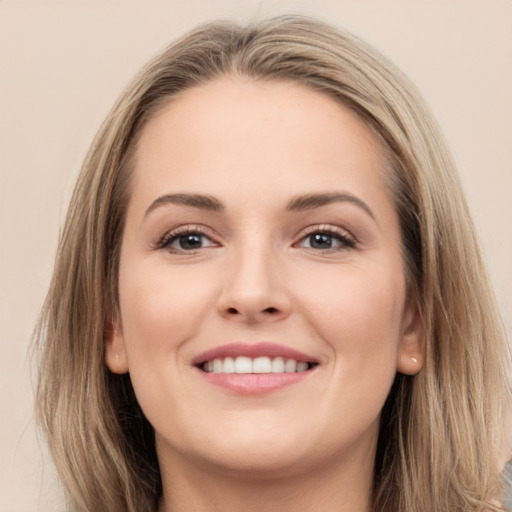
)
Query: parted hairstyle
[{"x": 439, "y": 430}]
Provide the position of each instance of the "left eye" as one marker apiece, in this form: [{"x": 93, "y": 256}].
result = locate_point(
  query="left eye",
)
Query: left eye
[
  {"x": 325, "y": 240},
  {"x": 187, "y": 242}
]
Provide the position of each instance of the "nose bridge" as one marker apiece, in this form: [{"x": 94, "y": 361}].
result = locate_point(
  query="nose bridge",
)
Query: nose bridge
[{"x": 254, "y": 289}]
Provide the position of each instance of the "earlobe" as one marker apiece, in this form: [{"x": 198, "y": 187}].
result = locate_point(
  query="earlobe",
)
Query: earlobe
[
  {"x": 411, "y": 350},
  {"x": 409, "y": 365},
  {"x": 115, "y": 351}
]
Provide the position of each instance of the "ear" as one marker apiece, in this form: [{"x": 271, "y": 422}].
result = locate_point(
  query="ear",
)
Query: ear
[
  {"x": 411, "y": 349},
  {"x": 115, "y": 351}
]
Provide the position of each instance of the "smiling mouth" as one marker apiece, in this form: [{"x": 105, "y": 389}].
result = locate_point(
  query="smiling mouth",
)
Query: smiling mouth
[
  {"x": 254, "y": 368},
  {"x": 256, "y": 365}
]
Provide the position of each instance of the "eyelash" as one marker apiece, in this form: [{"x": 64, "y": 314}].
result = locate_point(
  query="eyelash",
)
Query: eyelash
[
  {"x": 173, "y": 235},
  {"x": 346, "y": 240}
]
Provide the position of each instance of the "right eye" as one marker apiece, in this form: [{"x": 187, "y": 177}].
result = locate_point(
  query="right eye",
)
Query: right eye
[{"x": 185, "y": 241}]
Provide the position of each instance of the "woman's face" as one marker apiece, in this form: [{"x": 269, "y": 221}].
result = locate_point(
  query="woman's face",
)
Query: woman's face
[{"x": 260, "y": 237}]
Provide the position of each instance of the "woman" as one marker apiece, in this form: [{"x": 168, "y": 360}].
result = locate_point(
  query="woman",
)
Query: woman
[{"x": 268, "y": 293}]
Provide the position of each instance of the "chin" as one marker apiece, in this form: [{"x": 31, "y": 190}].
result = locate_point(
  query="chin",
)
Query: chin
[
  {"x": 245, "y": 450},
  {"x": 259, "y": 464}
]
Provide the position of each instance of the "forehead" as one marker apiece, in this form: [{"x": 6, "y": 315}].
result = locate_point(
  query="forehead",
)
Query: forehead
[{"x": 253, "y": 133}]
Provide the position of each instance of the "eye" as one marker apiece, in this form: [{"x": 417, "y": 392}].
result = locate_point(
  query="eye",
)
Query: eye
[
  {"x": 324, "y": 239},
  {"x": 185, "y": 240}
]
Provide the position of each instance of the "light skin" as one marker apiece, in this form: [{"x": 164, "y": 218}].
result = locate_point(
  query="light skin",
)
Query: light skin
[{"x": 259, "y": 212}]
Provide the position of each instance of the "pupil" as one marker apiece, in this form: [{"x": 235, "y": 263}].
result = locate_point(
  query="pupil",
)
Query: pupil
[
  {"x": 190, "y": 241},
  {"x": 321, "y": 241}
]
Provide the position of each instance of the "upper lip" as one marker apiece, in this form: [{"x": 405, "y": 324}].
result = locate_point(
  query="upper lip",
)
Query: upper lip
[{"x": 252, "y": 350}]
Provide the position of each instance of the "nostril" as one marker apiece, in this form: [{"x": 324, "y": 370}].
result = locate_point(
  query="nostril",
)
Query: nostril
[
  {"x": 232, "y": 311},
  {"x": 270, "y": 310}
]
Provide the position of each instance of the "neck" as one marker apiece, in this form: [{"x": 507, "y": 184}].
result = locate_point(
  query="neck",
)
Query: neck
[{"x": 336, "y": 487}]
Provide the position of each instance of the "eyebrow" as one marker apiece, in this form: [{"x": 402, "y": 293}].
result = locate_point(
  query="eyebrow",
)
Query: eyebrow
[
  {"x": 298, "y": 203},
  {"x": 200, "y": 201},
  {"x": 310, "y": 201}
]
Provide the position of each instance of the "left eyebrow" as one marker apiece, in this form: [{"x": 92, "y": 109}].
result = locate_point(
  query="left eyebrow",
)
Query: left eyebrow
[
  {"x": 200, "y": 201},
  {"x": 310, "y": 201}
]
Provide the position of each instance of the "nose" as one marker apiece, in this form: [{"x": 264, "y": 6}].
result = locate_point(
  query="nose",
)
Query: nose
[{"x": 254, "y": 290}]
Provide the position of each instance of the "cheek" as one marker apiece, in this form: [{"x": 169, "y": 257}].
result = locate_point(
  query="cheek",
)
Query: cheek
[
  {"x": 161, "y": 311},
  {"x": 358, "y": 314},
  {"x": 161, "y": 308}
]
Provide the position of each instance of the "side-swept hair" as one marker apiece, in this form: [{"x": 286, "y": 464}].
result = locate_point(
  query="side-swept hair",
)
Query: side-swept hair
[{"x": 440, "y": 430}]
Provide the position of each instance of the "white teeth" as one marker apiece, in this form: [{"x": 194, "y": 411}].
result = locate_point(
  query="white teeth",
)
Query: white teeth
[
  {"x": 290, "y": 366},
  {"x": 262, "y": 365},
  {"x": 302, "y": 366},
  {"x": 228, "y": 366},
  {"x": 278, "y": 365},
  {"x": 243, "y": 364}
]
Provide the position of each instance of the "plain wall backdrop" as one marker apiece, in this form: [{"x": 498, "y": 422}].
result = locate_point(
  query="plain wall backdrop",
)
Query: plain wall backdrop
[{"x": 63, "y": 63}]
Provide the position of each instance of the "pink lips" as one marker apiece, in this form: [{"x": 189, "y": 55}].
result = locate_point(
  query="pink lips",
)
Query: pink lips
[{"x": 252, "y": 383}]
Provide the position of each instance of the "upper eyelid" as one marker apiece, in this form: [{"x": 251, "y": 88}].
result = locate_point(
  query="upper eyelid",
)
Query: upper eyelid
[
  {"x": 188, "y": 228},
  {"x": 183, "y": 229},
  {"x": 326, "y": 228}
]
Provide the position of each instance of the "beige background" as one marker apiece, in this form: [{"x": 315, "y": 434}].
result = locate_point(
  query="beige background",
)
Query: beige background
[{"x": 62, "y": 64}]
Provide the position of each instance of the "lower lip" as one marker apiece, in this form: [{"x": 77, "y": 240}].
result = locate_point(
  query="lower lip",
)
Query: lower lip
[{"x": 254, "y": 383}]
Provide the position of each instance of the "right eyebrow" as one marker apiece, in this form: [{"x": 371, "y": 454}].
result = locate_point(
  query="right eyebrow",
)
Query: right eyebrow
[
  {"x": 200, "y": 201},
  {"x": 316, "y": 200}
]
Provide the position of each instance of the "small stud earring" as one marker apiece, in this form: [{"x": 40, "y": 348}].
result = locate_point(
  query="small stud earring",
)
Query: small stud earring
[{"x": 414, "y": 360}]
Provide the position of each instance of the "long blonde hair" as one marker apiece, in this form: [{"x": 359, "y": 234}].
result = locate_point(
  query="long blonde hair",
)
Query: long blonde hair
[{"x": 440, "y": 430}]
